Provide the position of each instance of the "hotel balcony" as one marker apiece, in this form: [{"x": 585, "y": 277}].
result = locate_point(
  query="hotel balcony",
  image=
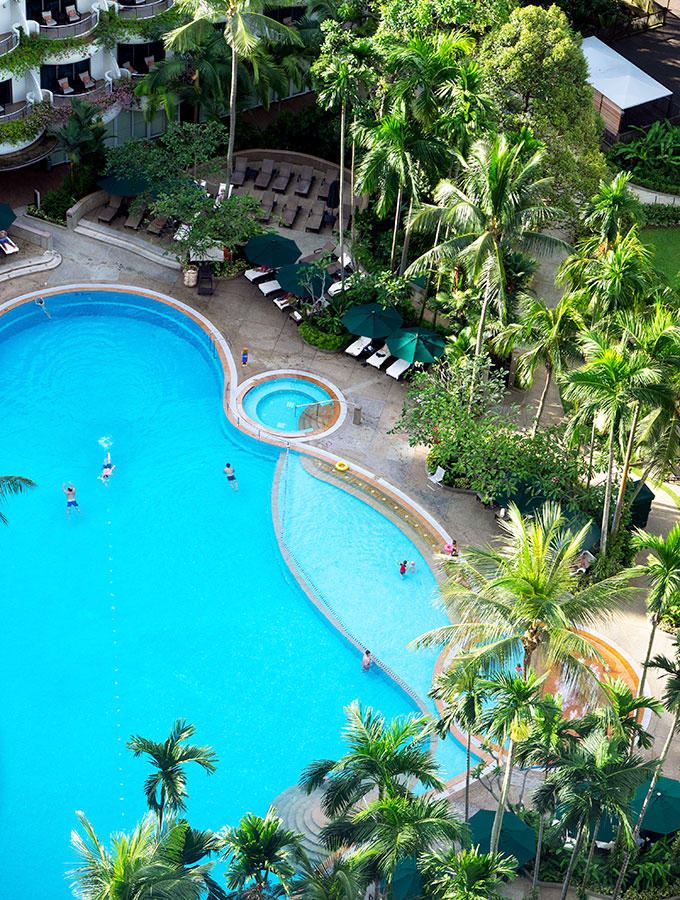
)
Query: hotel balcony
[
  {"x": 101, "y": 87},
  {"x": 11, "y": 111},
  {"x": 8, "y": 42},
  {"x": 84, "y": 24},
  {"x": 144, "y": 9}
]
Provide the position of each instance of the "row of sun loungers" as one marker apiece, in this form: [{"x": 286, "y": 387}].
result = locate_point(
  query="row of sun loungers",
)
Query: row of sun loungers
[
  {"x": 282, "y": 178},
  {"x": 377, "y": 357}
]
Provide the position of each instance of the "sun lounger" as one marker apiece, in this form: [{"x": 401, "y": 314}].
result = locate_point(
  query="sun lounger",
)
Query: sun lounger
[
  {"x": 72, "y": 14},
  {"x": 182, "y": 232},
  {"x": 397, "y": 369},
  {"x": 337, "y": 286},
  {"x": 88, "y": 81},
  {"x": 255, "y": 275},
  {"x": 134, "y": 220},
  {"x": 346, "y": 259},
  {"x": 157, "y": 225},
  {"x": 264, "y": 176},
  {"x": 379, "y": 358},
  {"x": 48, "y": 18},
  {"x": 281, "y": 302},
  {"x": 8, "y": 246},
  {"x": 150, "y": 62},
  {"x": 269, "y": 287},
  {"x": 221, "y": 191},
  {"x": 64, "y": 86},
  {"x": 325, "y": 184},
  {"x": 296, "y": 316},
  {"x": 267, "y": 203},
  {"x": 358, "y": 346},
  {"x": 128, "y": 67},
  {"x": 238, "y": 176},
  {"x": 205, "y": 279},
  {"x": 109, "y": 213},
  {"x": 304, "y": 181},
  {"x": 315, "y": 218},
  {"x": 282, "y": 180},
  {"x": 289, "y": 213}
]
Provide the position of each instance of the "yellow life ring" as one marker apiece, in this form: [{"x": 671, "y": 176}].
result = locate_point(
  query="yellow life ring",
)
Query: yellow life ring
[{"x": 342, "y": 466}]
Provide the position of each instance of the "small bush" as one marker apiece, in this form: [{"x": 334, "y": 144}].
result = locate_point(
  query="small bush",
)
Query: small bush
[
  {"x": 55, "y": 205},
  {"x": 658, "y": 215},
  {"x": 318, "y": 338}
]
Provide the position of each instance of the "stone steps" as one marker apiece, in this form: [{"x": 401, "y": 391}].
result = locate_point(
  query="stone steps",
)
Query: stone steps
[
  {"x": 126, "y": 242},
  {"x": 50, "y": 259},
  {"x": 302, "y": 813}
]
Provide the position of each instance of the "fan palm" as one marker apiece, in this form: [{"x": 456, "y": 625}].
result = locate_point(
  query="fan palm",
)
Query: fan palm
[
  {"x": 512, "y": 703},
  {"x": 246, "y": 26},
  {"x": 669, "y": 668},
  {"x": 11, "y": 485},
  {"x": 259, "y": 849},
  {"x": 381, "y": 757},
  {"x": 520, "y": 598},
  {"x": 165, "y": 788},
  {"x": 500, "y": 204},
  {"x": 613, "y": 208},
  {"x": 466, "y": 874}
]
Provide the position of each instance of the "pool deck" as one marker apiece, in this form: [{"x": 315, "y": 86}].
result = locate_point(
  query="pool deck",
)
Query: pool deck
[{"x": 247, "y": 319}]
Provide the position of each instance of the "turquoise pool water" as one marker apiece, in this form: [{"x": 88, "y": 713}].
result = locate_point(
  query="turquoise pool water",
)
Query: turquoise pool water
[
  {"x": 168, "y": 597},
  {"x": 279, "y": 402}
]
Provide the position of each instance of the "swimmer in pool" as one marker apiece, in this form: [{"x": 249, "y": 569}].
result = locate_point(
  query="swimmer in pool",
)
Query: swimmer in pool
[
  {"x": 106, "y": 470},
  {"x": 41, "y": 303},
  {"x": 231, "y": 477},
  {"x": 70, "y": 492},
  {"x": 366, "y": 661}
]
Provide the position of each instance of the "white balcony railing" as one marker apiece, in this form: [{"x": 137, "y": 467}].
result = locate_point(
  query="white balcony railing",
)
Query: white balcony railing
[
  {"x": 103, "y": 86},
  {"x": 143, "y": 10},
  {"x": 84, "y": 25},
  {"x": 8, "y": 42},
  {"x": 11, "y": 111}
]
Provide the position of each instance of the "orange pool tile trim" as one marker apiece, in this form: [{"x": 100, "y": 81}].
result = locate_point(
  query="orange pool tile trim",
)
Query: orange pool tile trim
[{"x": 260, "y": 379}]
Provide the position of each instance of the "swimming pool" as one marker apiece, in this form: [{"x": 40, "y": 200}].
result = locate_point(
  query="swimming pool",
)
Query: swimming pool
[
  {"x": 168, "y": 597},
  {"x": 290, "y": 404}
]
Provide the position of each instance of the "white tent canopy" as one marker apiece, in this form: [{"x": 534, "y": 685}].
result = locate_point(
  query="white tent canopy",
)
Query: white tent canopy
[{"x": 617, "y": 79}]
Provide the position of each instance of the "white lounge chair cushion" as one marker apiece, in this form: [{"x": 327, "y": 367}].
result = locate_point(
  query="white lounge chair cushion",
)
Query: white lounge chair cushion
[
  {"x": 379, "y": 358},
  {"x": 9, "y": 246},
  {"x": 397, "y": 369},
  {"x": 270, "y": 287},
  {"x": 182, "y": 231},
  {"x": 254, "y": 274},
  {"x": 358, "y": 346},
  {"x": 281, "y": 302}
]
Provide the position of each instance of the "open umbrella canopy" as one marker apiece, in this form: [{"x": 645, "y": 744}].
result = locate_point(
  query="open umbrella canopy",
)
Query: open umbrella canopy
[
  {"x": 123, "y": 187},
  {"x": 271, "y": 250},
  {"x": 7, "y": 216},
  {"x": 372, "y": 320},
  {"x": 407, "y": 882},
  {"x": 663, "y": 812},
  {"x": 516, "y": 839},
  {"x": 416, "y": 345},
  {"x": 303, "y": 280}
]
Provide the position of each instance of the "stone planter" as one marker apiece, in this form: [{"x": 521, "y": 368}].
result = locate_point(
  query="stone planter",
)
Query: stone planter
[{"x": 190, "y": 276}]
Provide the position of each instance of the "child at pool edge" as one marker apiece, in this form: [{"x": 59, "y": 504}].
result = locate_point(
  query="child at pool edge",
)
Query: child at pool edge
[
  {"x": 366, "y": 661},
  {"x": 231, "y": 477},
  {"x": 244, "y": 357}
]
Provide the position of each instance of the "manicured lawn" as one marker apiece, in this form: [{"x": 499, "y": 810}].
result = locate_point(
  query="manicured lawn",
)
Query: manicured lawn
[{"x": 666, "y": 245}]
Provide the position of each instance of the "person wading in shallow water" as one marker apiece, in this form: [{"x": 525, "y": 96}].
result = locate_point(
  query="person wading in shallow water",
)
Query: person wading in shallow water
[
  {"x": 366, "y": 661},
  {"x": 70, "y": 492},
  {"x": 231, "y": 477}
]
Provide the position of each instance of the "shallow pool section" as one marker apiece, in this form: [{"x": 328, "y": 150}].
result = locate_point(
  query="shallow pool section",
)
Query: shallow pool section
[{"x": 290, "y": 404}]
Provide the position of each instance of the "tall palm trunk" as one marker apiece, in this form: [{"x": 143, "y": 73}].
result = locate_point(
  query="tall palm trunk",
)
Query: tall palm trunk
[
  {"x": 351, "y": 187},
  {"x": 537, "y": 861},
  {"x": 592, "y": 451},
  {"x": 505, "y": 790},
  {"x": 643, "y": 677},
  {"x": 650, "y": 793},
  {"x": 407, "y": 238},
  {"x": 626, "y": 468},
  {"x": 482, "y": 318},
  {"x": 393, "y": 254},
  {"x": 341, "y": 212},
  {"x": 161, "y": 809},
  {"x": 467, "y": 778},
  {"x": 572, "y": 862},
  {"x": 608, "y": 489},
  {"x": 232, "y": 109},
  {"x": 591, "y": 853},
  {"x": 541, "y": 402}
]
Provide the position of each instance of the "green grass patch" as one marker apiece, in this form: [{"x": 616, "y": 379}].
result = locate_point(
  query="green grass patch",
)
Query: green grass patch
[{"x": 665, "y": 242}]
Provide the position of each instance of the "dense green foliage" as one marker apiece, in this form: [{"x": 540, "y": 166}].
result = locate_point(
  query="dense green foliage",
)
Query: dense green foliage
[
  {"x": 653, "y": 159},
  {"x": 312, "y": 334}
]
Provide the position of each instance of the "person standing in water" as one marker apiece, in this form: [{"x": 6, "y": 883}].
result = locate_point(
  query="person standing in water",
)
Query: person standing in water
[
  {"x": 70, "y": 492},
  {"x": 366, "y": 661},
  {"x": 231, "y": 477},
  {"x": 402, "y": 568}
]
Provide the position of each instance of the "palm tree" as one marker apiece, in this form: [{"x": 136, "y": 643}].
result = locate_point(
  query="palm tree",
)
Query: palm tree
[
  {"x": 509, "y": 716},
  {"x": 621, "y": 716},
  {"x": 391, "y": 830},
  {"x": 662, "y": 572},
  {"x": 395, "y": 154},
  {"x": 11, "y": 485},
  {"x": 338, "y": 877},
  {"x": 82, "y": 138},
  {"x": 616, "y": 382},
  {"x": 598, "y": 777},
  {"x": 613, "y": 208},
  {"x": 471, "y": 108},
  {"x": 246, "y": 26},
  {"x": 520, "y": 598},
  {"x": 549, "y": 334},
  {"x": 165, "y": 788},
  {"x": 670, "y": 669},
  {"x": 138, "y": 867},
  {"x": 500, "y": 205},
  {"x": 257, "y": 850},
  {"x": 380, "y": 757},
  {"x": 466, "y": 874},
  {"x": 463, "y": 693}
]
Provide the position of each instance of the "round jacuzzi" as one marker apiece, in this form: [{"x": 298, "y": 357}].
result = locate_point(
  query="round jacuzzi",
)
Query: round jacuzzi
[{"x": 291, "y": 404}]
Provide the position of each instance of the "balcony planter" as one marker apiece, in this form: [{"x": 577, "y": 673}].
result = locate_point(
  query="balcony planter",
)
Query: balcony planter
[{"x": 20, "y": 144}]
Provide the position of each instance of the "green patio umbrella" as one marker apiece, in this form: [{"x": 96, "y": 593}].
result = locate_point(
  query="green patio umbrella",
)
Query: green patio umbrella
[
  {"x": 123, "y": 187},
  {"x": 407, "y": 882},
  {"x": 663, "y": 812},
  {"x": 517, "y": 839},
  {"x": 271, "y": 250},
  {"x": 416, "y": 345},
  {"x": 372, "y": 320},
  {"x": 7, "y": 216},
  {"x": 303, "y": 280}
]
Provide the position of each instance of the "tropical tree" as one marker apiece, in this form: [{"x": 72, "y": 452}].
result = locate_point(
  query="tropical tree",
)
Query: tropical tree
[
  {"x": 382, "y": 758},
  {"x": 611, "y": 210},
  {"x": 621, "y": 715},
  {"x": 669, "y": 668},
  {"x": 520, "y": 598},
  {"x": 82, "y": 138},
  {"x": 246, "y": 25},
  {"x": 137, "y": 867},
  {"x": 471, "y": 107},
  {"x": 662, "y": 571},
  {"x": 165, "y": 788},
  {"x": 11, "y": 485},
  {"x": 466, "y": 874},
  {"x": 500, "y": 205},
  {"x": 550, "y": 336},
  {"x": 257, "y": 850},
  {"x": 338, "y": 877},
  {"x": 512, "y": 703},
  {"x": 463, "y": 693}
]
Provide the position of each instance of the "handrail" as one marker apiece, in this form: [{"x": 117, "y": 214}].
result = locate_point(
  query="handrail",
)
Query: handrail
[
  {"x": 143, "y": 10},
  {"x": 15, "y": 113},
  {"x": 85, "y": 24},
  {"x": 8, "y": 43},
  {"x": 317, "y": 402}
]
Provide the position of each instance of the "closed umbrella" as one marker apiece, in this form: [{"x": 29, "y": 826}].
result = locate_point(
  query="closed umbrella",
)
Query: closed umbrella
[
  {"x": 372, "y": 320},
  {"x": 516, "y": 838},
  {"x": 123, "y": 187},
  {"x": 303, "y": 280},
  {"x": 271, "y": 250},
  {"x": 7, "y": 216},
  {"x": 333, "y": 200},
  {"x": 416, "y": 345}
]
